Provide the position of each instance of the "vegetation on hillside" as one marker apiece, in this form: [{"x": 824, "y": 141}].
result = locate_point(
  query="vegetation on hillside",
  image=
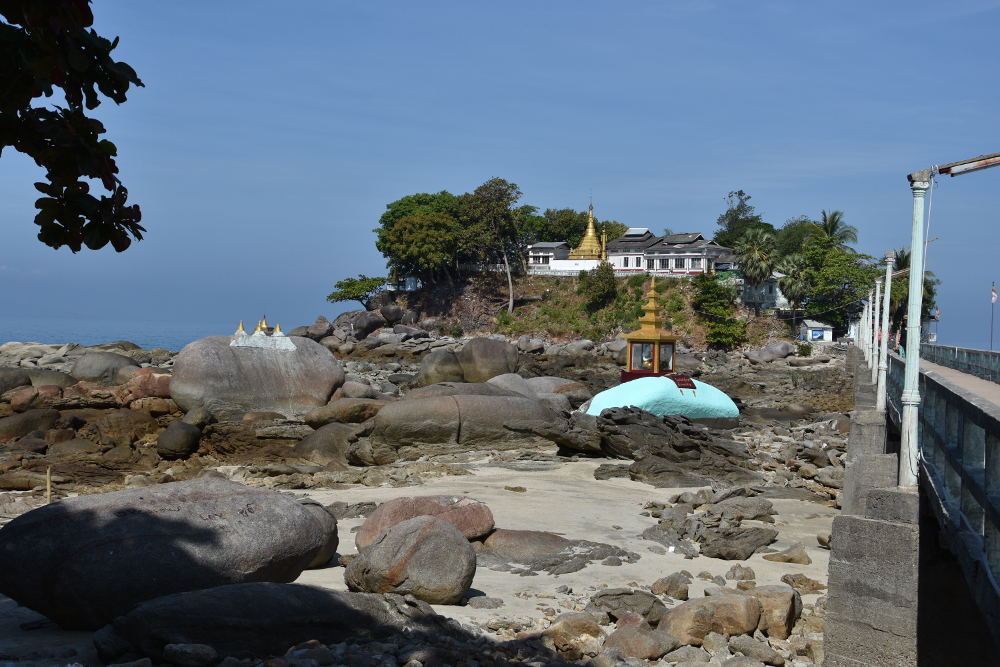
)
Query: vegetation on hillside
[{"x": 430, "y": 236}]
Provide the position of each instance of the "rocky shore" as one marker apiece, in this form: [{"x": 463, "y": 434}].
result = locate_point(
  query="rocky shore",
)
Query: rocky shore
[{"x": 397, "y": 410}]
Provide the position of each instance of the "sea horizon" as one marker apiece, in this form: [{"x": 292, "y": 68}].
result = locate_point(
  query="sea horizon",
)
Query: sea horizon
[{"x": 147, "y": 334}]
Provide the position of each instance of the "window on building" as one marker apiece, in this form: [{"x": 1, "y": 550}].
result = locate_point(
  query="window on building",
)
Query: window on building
[
  {"x": 649, "y": 264},
  {"x": 679, "y": 263},
  {"x": 696, "y": 262},
  {"x": 625, "y": 262},
  {"x": 642, "y": 357},
  {"x": 664, "y": 264},
  {"x": 770, "y": 289},
  {"x": 666, "y": 357}
]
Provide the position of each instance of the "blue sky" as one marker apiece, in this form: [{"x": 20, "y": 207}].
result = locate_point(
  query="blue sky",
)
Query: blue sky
[{"x": 270, "y": 136}]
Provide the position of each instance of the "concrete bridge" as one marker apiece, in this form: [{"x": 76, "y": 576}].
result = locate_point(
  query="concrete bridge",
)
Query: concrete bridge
[{"x": 914, "y": 566}]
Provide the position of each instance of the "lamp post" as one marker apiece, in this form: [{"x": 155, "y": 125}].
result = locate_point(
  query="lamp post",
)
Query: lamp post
[
  {"x": 919, "y": 183},
  {"x": 875, "y": 330},
  {"x": 883, "y": 349}
]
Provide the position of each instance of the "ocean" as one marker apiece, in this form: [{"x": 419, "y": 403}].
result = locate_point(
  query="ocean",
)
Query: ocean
[{"x": 167, "y": 335}]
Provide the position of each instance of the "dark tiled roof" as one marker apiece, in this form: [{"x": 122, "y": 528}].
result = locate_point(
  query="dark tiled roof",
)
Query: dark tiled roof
[
  {"x": 549, "y": 244},
  {"x": 631, "y": 242},
  {"x": 683, "y": 238}
]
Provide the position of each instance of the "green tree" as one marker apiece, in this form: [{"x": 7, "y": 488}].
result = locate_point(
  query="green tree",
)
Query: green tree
[
  {"x": 840, "y": 281},
  {"x": 899, "y": 294},
  {"x": 599, "y": 286},
  {"x": 360, "y": 289},
  {"x": 491, "y": 210},
  {"x": 833, "y": 227},
  {"x": 47, "y": 45},
  {"x": 714, "y": 303},
  {"x": 424, "y": 244},
  {"x": 757, "y": 255},
  {"x": 612, "y": 229},
  {"x": 408, "y": 207},
  {"x": 795, "y": 284},
  {"x": 792, "y": 235},
  {"x": 737, "y": 219}
]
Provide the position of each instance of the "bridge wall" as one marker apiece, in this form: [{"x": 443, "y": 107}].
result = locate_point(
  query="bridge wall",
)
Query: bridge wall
[{"x": 912, "y": 576}]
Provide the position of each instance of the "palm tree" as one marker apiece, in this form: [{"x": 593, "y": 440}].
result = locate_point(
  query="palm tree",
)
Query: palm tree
[
  {"x": 901, "y": 290},
  {"x": 757, "y": 254},
  {"x": 832, "y": 227},
  {"x": 795, "y": 285}
]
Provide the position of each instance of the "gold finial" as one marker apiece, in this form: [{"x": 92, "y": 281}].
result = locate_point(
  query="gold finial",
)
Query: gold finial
[
  {"x": 257, "y": 329},
  {"x": 241, "y": 327},
  {"x": 590, "y": 246},
  {"x": 277, "y": 328},
  {"x": 650, "y": 320},
  {"x": 263, "y": 323}
]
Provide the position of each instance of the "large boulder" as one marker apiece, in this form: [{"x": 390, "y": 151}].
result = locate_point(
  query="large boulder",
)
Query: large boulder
[
  {"x": 461, "y": 389},
  {"x": 100, "y": 367},
  {"x": 84, "y": 561},
  {"x": 424, "y": 557},
  {"x": 16, "y": 426},
  {"x": 359, "y": 323},
  {"x": 146, "y": 383},
  {"x": 329, "y": 521},
  {"x": 345, "y": 411},
  {"x": 260, "y": 620},
  {"x": 661, "y": 396},
  {"x": 471, "y": 517},
  {"x": 319, "y": 329},
  {"x": 227, "y": 381},
  {"x": 451, "y": 424},
  {"x": 781, "y": 607},
  {"x": 483, "y": 358},
  {"x": 440, "y": 366},
  {"x": 43, "y": 377},
  {"x": 179, "y": 441},
  {"x": 327, "y": 445},
  {"x": 392, "y": 313},
  {"x": 690, "y": 621},
  {"x": 516, "y": 383},
  {"x": 12, "y": 378}
]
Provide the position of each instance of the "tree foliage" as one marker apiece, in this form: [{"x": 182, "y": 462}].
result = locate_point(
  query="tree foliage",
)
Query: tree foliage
[
  {"x": 424, "y": 244},
  {"x": 795, "y": 283},
  {"x": 833, "y": 227},
  {"x": 360, "y": 289},
  {"x": 792, "y": 235},
  {"x": 44, "y": 46},
  {"x": 900, "y": 291},
  {"x": 598, "y": 286},
  {"x": 490, "y": 211},
  {"x": 839, "y": 280},
  {"x": 756, "y": 252},
  {"x": 737, "y": 219},
  {"x": 714, "y": 302}
]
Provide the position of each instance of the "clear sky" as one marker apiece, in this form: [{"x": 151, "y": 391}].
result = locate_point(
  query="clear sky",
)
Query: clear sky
[{"x": 271, "y": 135}]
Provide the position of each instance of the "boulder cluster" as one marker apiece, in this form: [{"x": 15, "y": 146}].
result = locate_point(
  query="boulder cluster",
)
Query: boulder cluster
[{"x": 203, "y": 566}]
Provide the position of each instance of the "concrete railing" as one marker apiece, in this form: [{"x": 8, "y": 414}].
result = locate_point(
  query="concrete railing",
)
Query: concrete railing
[
  {"x": 982, "y": 363},
  {"x": 959, "y": 444}
]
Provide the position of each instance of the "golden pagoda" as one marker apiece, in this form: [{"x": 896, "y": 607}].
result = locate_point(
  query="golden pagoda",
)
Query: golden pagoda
[
  {"x": 650, "y": 348},
  {"x": 590, "y": 246}
]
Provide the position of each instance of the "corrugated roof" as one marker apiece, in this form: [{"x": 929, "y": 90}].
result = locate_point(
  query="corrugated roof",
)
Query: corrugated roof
[
  {"x": 685, "y": 238},
  {"x": 549, "y": 244},
  {"x": 813, "y": 324}
]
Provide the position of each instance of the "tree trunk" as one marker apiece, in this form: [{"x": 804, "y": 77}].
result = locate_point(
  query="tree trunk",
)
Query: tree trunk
[{"x": 510, "y": 282}]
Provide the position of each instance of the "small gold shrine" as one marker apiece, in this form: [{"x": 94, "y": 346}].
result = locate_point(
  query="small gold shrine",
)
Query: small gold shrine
[
  {"x": 651, "y": 349},
  {"x": 590, "y": 247}
]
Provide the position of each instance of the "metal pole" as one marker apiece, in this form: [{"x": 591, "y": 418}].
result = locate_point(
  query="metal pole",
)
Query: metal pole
[
  {"x": 875, "y": 330},
  {"x": 908, "y": 449},
  {"x": 883, "y": 351}
]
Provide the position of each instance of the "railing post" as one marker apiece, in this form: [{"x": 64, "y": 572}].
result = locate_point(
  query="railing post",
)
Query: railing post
[
  {"x": 883, "y": 350},
  {"x": 908, "y": 449},
  {"x": 875, "y": 331}
]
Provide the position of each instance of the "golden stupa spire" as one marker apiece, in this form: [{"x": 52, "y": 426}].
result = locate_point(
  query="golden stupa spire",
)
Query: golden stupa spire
[
  {"x": 651, "y": 320},
  {"x": 590, "y": 246},
  {"x": 258, "y": 328},
  {"x": 263, "y": 324},
  {"x": 241, "y": 327},
  {"x": 277, "y": 328}
]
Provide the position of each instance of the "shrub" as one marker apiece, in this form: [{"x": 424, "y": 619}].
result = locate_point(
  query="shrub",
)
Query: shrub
[
  {"x": 598, "y": 286},
  {"x": 637, "y": 280},
  {"x": 714, "y": 304},
  {"x": 805, "y": 349}
]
